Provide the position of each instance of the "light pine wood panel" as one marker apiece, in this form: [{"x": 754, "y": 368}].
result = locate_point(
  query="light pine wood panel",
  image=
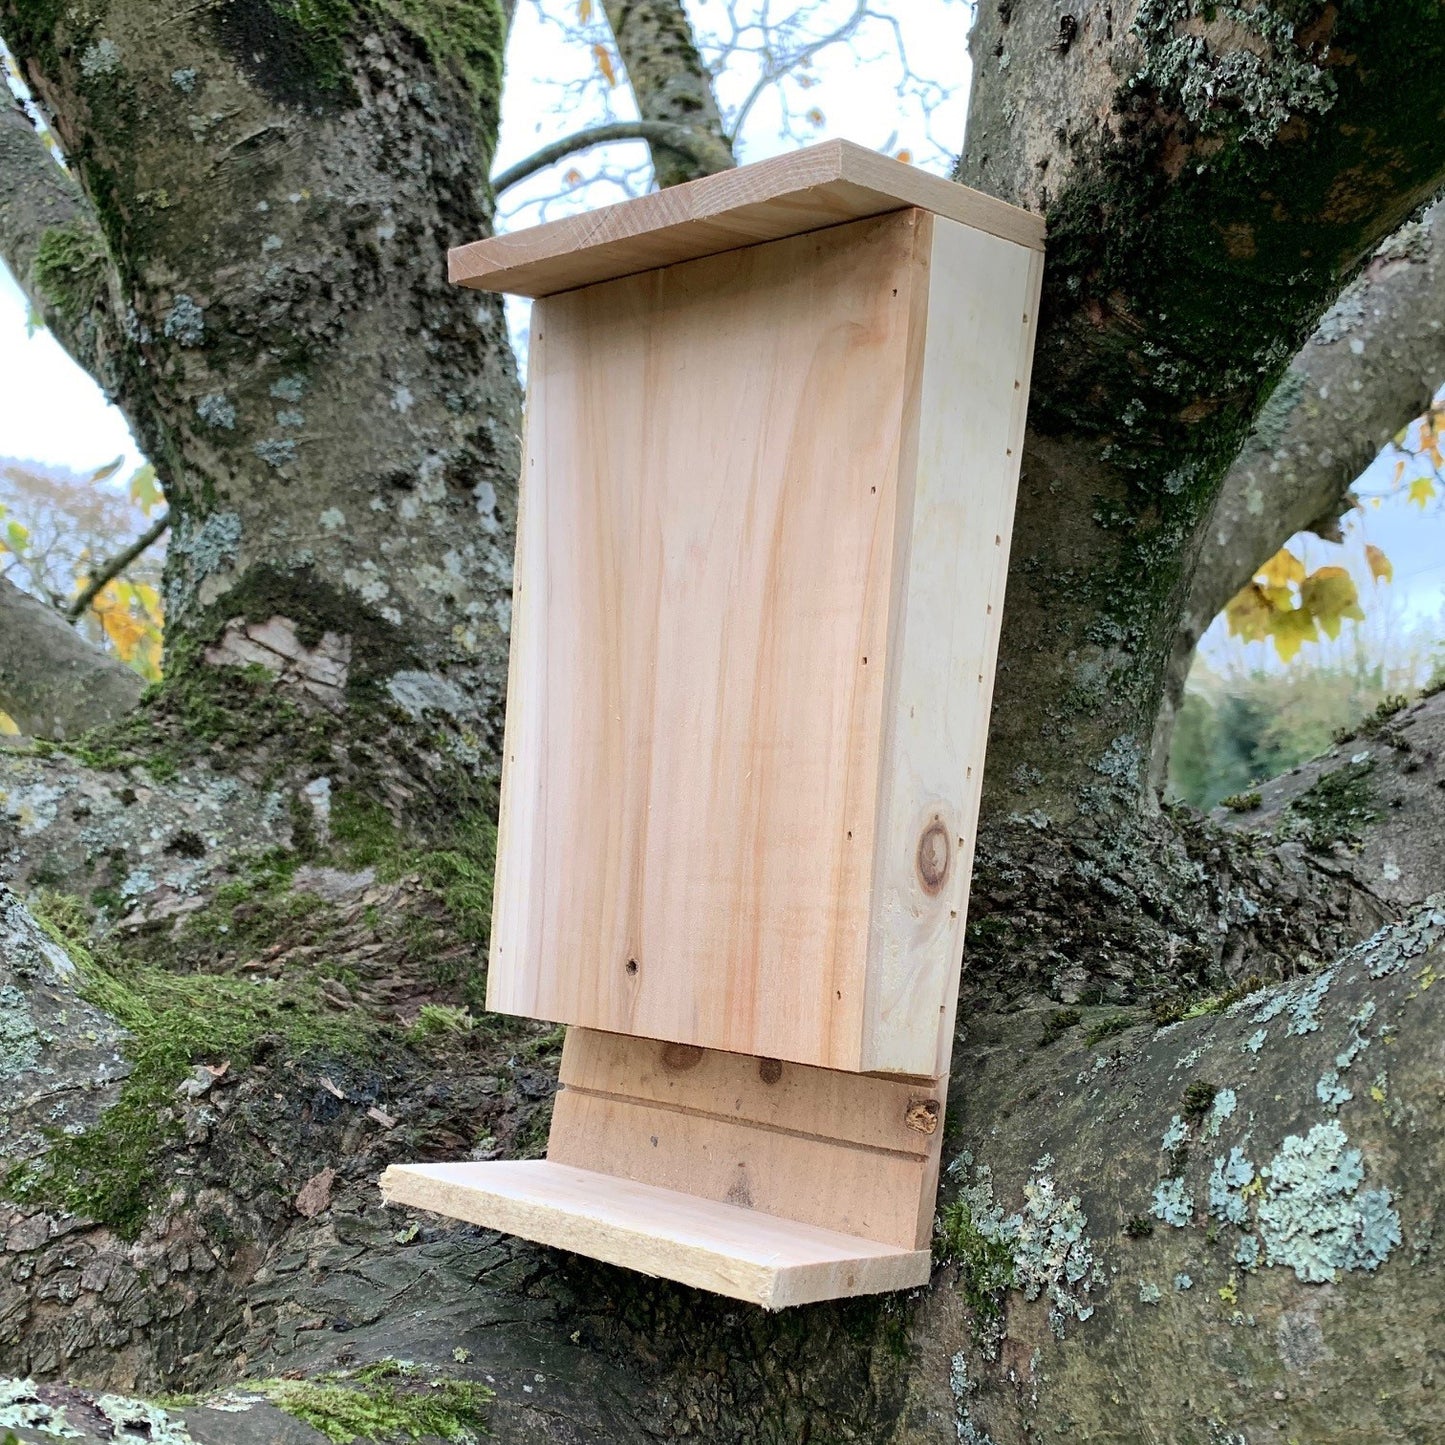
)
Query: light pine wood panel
[
  {"x": 959, "y": 478},
  {"x": 737, "y": 1252},
  {"x": 862, "y": 1109},
  {"x": 849, "y": 1152},
  {"x": 866, "y": 1192},
  {"x": 824, "y": 185},
  {"x": 701, "y": 613}
]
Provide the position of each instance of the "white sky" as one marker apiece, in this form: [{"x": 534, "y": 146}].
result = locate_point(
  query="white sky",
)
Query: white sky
[{"x": 51, "y": 412}]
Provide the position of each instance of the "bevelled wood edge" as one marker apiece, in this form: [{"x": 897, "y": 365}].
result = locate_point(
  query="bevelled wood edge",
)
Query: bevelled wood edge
[{"x": 824, "y": 185}]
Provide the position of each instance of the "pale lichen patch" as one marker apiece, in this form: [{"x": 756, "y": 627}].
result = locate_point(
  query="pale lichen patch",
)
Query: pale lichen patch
[{"x": 1048, "y": 1237}]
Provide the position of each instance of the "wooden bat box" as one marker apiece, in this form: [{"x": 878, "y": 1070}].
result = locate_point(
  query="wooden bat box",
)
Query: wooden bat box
[{"x": 773, "y": 432}]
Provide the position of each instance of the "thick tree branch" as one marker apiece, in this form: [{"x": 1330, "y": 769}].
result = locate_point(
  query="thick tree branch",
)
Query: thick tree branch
[
  {"x": 681, "y": 138},
  {"x": 52, "y": 681},
  {"x": 1211, "y": 176},
  {"x": 116, "y": 565},
  {"x": 1371, "y": 366},
  {"x": 50, "y": 239},
  {"x": 671, "y": 84}
]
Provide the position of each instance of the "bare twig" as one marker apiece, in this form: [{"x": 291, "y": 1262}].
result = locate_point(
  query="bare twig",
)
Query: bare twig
[
  {"x": 669, "y": 133},
  {"x": 117, "y": 564}
]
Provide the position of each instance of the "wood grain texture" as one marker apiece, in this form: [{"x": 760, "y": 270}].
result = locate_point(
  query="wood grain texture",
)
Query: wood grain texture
[
  {"x": 847, "y": 1152},
  {"x": 766, "y": 508},
  {"x": 731, "y": 1251},
  {"x": 702, "y": 600},
  {"x": 824, "y": 185},
  {"x": 959, "y": 478},
  {"x": 861, "y": 1109}
]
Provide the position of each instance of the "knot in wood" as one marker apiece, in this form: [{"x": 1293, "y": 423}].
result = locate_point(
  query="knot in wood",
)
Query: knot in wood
[
  {"x": 922, "y": 1115},
  {"x": 770, "y": 1070},
  {"x": 679, "y": 1057},
  {"x": 933, "y": 856}
]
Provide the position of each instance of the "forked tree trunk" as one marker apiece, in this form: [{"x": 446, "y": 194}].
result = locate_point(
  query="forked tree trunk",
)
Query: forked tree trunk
[{"x": 330, "y": 418}]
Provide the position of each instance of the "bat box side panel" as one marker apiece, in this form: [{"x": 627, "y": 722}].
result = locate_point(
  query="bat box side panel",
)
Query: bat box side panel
[
  {"x": 705, "y": 579},
  {"x": 959, "y": 478}
]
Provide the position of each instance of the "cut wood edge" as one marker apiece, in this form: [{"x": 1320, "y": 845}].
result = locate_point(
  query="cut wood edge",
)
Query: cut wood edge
[
  {"x": 808, "y": 190},
  {"x": 722, "y": 1248}
]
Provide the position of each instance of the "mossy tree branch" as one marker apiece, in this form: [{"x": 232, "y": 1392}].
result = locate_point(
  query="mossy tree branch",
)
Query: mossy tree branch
[
  {"x": 1371, "y": 366},
  {"x": 53, "y": 244}
]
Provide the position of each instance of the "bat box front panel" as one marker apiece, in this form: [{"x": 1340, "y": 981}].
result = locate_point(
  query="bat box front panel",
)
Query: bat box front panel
[{"x": 706, "y": 562}]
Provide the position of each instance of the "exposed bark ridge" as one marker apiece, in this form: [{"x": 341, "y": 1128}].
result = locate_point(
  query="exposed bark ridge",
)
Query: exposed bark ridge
[
  {"x": 1381, "y": 790},
  {"x": 1211, "y": 176},
  {"x": 337, "y": 426},
  {"x": 670, "y": 83},
  {"x": 54, "y": 246},
  {"x": 1214, "y": 1231},
  {"x": 1371, "y": 366},
  {"x": 52, "y": 681}
]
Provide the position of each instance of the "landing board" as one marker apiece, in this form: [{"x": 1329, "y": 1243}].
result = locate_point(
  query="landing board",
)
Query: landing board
[{"x": 718, "y": 1247}]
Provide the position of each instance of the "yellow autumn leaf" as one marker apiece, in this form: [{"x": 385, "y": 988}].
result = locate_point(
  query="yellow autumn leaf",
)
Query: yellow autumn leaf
[
  {"x": 1329, "y": 595},
  {"x": 145, "y": 490},
  {"x": 603, "y": 56},
  {"x": 1291, "y": 630},
  {"x": 1422, "y": 489},
  {"x": 572, "y": 176},
  {"x": 108, "y": 470},
  {"x": 1248, "y": 614},
  {"x": 16, "y": 536},
  {"x": 815, "y": 117},
  {"x": 1282, "y": 569},
  {"x": 8, "y": 728},
  {"x": 148, "y": 600},
  {"x": 126, "y": 631},
  {"x": 584, "y": 11},
  {"x": 1381, "y": 568},
  {"x": 906, "y": 156}
]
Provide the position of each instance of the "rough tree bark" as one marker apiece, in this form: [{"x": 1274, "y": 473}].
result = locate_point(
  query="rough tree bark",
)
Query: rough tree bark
[
  {"x": 268, "y": 935},
  {"x": 322, "y": 407},
  {"x": 1372, "y": 366},
  {"x": 53, "y": 683},
  {"x": 670, "y": 83}
]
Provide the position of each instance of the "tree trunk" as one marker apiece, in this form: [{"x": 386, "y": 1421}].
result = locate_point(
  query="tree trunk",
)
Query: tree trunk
[
  {"x": 670, "y": 83},
  {"x": 295, "y": 967},
  {"x": 336, "y": 427},
  {"x": 1202, "y": 169}
]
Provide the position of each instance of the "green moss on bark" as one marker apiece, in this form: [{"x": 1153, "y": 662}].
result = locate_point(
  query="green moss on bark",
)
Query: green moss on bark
[
  {"x": 110, "y": 1172},
  {"x": 70, "y": 269},
  {"x": 385, "y": 1401}
]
